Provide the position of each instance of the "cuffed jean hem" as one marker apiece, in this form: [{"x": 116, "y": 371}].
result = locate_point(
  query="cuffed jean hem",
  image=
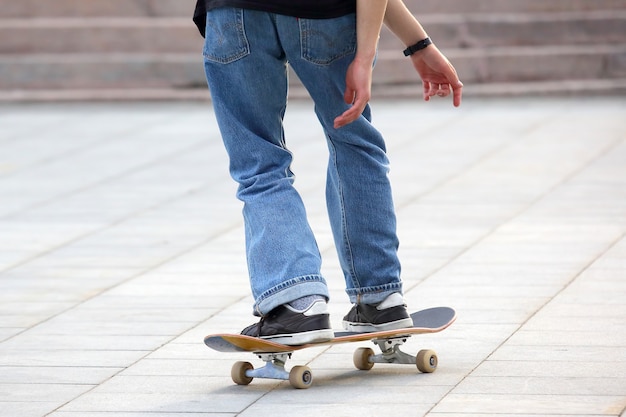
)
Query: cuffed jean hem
[
  {"x": 373, "y": 295},
  {"x": 289, "y": 291}
]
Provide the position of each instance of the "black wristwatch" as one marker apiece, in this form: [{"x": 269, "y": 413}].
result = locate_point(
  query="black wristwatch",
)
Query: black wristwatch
[{"x": 417, "y": 47}]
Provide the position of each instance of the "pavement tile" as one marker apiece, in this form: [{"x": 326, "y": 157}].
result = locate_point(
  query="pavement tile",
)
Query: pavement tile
[
  {"x": 121, "y": 247},
  {"x": 28, "y": 408},
  {"x": 528, "y": 385},
  {"x": 70, "y": 358},
  {"x": 60, "y": 393},
  {"x": 139, "y": 414},
  {"x": 462, "y": 414},
  {"x": 327, "y": 393},
  {"x": 545, "y": 367},
  {"x": 209, "y": 367},
  {"x": 575, "y": 333},
  {"x": 198, "y": 401},
  {"x": 539, "y": 404},
  {"x": 354, "y": 409},
  {"x": 78, "y": 342},
  {"x": 567, "y": 353},
  {"x": 89, "y": 375}
]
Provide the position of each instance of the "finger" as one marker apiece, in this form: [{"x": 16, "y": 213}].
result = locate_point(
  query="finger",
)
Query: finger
[
  {"x": 457, "y": 91},
  {"x": 353, "y": 113},
  {"x": 456, "y": 86},
  {"x": 348, "y": 95},
  {"x": 434, "y": 88},
  {"x": 345, "y": 118},
  {"x": 426, "y": 87}
]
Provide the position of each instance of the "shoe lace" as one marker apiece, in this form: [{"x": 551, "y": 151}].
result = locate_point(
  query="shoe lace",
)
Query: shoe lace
[
  {"x": 259, "y": 325},
  {"x": 358, "y": 312}
]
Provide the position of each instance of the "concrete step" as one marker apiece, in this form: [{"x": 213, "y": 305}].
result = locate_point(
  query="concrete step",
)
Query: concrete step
[
  {"x": 112, "y": 70},
  {"x": 172, "y": 34},
  {"x": 76, "y": 35},
  {"x": 521, "y": 29},
  {"x": 421, "y": 7},
  {"x": 81, "y": 48},
  {"x": 180, "y": 71},
  {"x": 508, "y": 64},
  {"x": 184, "y": 8},
  {"x": 96, "y": 8},
  {"x": 409, "y": 91}
]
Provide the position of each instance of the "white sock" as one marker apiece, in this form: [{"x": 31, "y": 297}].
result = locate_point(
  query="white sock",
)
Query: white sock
[
  {"x": 395, "y": 299},
  {"x": 303, "y": 303}
]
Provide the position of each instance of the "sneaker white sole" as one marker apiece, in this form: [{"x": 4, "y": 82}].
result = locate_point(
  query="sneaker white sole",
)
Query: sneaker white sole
[
  {"x": 370, "y": 328},
  {"x": 315, "y": 336}
]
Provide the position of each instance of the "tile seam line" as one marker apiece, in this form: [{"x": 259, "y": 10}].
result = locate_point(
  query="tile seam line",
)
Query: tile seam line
[
  {"x": 119, "y": 138},
  {"x": 154, "y": 162},
  {"x": 148, "y": 353},
  {"x": 615, "y": 144},
  {"x": 497, "y": 150},
  {"x": 126, "y": 217},
  {"x": 119, "y": 220},
  {"x": 36, "y": 109},
  {"x": 112, "y": 224},
  {"x": 177, "y": 255},
  {"x": 529, "y": 318}
]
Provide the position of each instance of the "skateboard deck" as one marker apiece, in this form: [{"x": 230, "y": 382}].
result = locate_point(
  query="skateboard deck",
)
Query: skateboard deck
[{"x": 275, "y": 355}]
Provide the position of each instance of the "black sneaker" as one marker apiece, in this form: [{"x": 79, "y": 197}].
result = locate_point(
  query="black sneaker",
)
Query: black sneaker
[
  {"x": 289, "y": 326},
  {"x": 391, "y": 314}
]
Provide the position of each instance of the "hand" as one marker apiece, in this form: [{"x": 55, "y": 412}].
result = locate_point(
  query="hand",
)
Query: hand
[
  {"x": 358, "y": 91},
  {"x": 439, "y": 77}
]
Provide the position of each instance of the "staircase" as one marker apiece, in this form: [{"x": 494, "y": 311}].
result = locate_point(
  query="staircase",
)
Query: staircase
[
  {"x": 514, "y": 47},
  {"x": 149, "y": 49},
  {"x": 99, "y": 49}
]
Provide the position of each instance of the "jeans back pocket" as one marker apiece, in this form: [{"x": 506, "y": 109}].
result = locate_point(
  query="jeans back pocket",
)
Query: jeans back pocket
[
  {"x": 326, "y": 40},
  {"x": 225, "y": 39}
]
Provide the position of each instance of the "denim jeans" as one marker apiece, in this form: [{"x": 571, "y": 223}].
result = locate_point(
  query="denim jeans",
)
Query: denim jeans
[{"x": 246, "y": 54}]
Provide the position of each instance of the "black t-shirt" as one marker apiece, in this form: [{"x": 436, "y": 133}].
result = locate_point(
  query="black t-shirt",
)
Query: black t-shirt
[{"x": 308, "y": 9}]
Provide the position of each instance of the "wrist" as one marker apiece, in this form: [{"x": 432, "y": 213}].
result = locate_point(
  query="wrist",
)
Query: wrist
[
  {"x": 365, "y": 57},
  {"x": 417, "y": 46}
]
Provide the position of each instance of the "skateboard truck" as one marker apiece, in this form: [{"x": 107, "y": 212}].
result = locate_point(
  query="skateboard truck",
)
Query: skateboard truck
[
  {"x": 274, "y": 366},
  {"x": 391, "y": 352},
  {"x": 243, "y": 373},
  {"x": 364, "y": 358}
]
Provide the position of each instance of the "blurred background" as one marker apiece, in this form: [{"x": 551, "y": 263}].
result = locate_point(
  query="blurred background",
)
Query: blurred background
[{"x": 150, "y": 49}]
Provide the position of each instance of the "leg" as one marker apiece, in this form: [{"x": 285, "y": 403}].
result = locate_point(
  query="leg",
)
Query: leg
[
  {"x": 358, "y": 191},
  {"x": 246, "y": 72}
]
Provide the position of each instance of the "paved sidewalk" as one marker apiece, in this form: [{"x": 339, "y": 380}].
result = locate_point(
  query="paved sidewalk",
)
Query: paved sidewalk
[{"x": 121, "y": 247}]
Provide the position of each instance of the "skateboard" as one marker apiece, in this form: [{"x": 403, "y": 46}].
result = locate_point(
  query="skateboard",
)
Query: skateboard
[{"x": 275, "y": 355}]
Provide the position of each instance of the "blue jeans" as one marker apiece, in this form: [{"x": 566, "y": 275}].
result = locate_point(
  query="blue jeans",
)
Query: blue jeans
[{"x": 246, "y": 54}]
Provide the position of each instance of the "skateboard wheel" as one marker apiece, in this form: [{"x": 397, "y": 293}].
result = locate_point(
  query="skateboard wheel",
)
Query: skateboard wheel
[
  {"x": 426, "y": 361},
  {"x": 361, "y": 359},
  {"x": 300, "y": 377},
  {"x": 238, "y": 373}
]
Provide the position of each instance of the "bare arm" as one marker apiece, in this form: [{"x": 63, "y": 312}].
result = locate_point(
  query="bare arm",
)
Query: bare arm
[
  {"x": 369, "y": 21},
  {"x": 400, "y": 20},
  {"x": 438, "y": 75}
]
